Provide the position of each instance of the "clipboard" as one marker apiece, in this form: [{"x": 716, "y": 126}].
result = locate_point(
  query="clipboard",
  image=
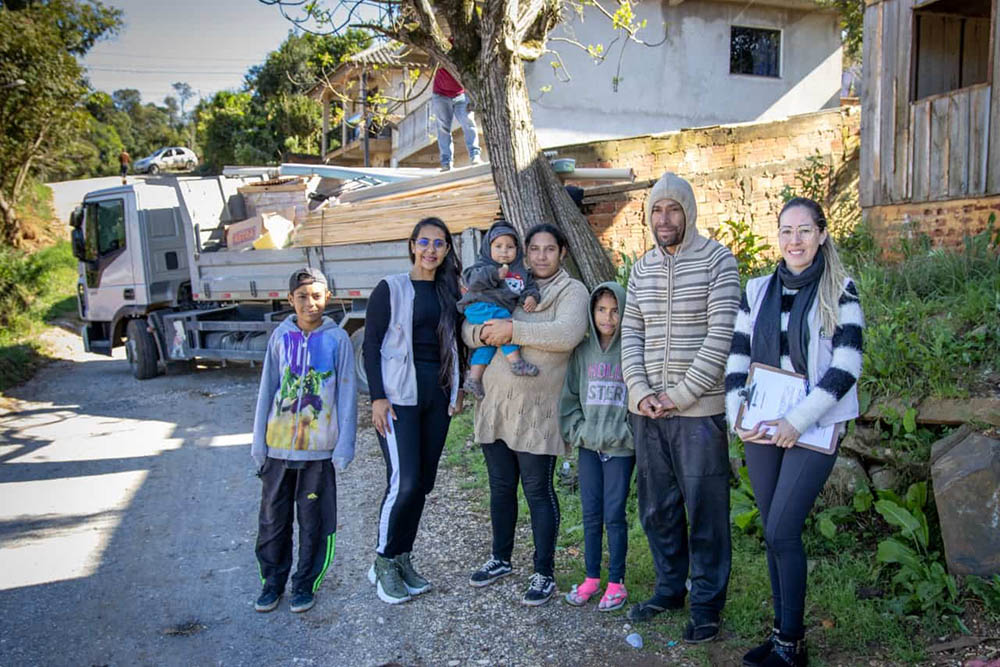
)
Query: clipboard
[{"x": 770, "y": 394}]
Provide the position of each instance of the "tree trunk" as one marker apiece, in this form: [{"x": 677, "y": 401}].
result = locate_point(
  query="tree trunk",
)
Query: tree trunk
[
  {"x": 530, "y": 192},
  {"x": 11, "y": 225}
]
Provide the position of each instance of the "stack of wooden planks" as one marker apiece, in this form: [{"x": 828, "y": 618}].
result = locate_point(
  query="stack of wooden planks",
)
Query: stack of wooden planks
[{"x": 461, "y": 203}]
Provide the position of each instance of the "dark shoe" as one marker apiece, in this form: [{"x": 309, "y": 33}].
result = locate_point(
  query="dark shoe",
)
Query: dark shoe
[
  {"x": 302, "y": 601},
  {"x": 698, "y": 632},
  {"x": 415, "y": 583},
  {"x": 388, "y": 580},
  {"x": 474, "y": 387},
  {"x": 755, "y": 656},
  {"x": 645, "y": 611},
  {"x": 491, "y": 570},
  {"x": 787, "y": 654},
  {"x": 268, "y": 600},
  {"x": 522, "y": 367},
  {"x": 540, "y": 589}
]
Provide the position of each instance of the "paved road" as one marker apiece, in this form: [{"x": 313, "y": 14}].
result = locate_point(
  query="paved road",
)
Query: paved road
[
  {"x": 67, "y": 195},
  {"x": 127, "y": 523}
]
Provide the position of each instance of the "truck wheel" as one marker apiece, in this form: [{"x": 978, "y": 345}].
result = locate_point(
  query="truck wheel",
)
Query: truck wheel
[
  {"x": 140, "y": 348},
  {"x": 154, "y": 169},
  {"x": 357, "y": 338}
]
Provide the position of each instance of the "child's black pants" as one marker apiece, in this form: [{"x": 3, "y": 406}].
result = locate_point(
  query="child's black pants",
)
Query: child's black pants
[{"x": 311, "y": 490}]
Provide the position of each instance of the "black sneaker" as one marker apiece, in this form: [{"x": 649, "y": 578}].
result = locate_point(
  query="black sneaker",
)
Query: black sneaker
[
  {"x": 491, "y": 570},
  {"x": 302, "y": 601},
  {"x": 699, "y": 632},
  {"x": 540, "y": 589},
  {"x": 268, "y": 600},
  {"x": 654, "y": 606}
]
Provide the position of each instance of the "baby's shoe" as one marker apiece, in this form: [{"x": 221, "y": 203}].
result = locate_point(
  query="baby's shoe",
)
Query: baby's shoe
[
  {"x": 614, "y": 597},
  {"x": 522, "y": 367},
  {"x": 582, "y": 593},
  {"x": 474, "y": 387}
]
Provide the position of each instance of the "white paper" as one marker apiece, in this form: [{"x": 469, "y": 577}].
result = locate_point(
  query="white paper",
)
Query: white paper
[{"x": 771, "y": 396}]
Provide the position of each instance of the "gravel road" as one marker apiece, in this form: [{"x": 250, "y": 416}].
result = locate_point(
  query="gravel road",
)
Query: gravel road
[{"x": 127, "y": 524}]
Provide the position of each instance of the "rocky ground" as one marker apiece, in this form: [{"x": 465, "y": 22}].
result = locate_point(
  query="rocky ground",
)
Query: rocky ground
[{"x": 127, "y": 523}]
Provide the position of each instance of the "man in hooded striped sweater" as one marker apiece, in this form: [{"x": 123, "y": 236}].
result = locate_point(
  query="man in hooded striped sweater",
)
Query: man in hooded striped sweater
[{"x": 676, "y": 329}]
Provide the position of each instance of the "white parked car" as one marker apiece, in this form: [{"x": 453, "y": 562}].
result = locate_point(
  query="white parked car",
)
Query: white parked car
[{"x": 174, "y": 157}]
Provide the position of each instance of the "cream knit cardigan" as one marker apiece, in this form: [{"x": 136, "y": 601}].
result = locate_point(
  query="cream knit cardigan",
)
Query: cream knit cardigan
[{"x": 524, "y": 411}]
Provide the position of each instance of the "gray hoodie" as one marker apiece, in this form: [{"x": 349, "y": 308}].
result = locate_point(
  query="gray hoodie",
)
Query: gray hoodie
[
  {"x": 482, "y": 279},
  {"x": 307, "y": 404},
  {"x": 593, "y": 406}
]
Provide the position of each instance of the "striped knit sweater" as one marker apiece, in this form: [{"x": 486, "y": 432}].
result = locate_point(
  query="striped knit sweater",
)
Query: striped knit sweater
[
  {"x": 835, "y": 382},
  {"x": 678, "y": 323}
]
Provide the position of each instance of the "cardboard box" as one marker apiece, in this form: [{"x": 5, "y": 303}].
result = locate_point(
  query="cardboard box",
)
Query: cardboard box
[{"x": 242, "y": 235}]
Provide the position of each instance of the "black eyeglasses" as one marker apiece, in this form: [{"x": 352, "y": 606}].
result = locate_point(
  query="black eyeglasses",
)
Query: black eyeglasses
[{"x": 437, "y": 243}]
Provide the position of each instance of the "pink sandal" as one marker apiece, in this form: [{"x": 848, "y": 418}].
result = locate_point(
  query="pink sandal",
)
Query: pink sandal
[
  {"x": 582, "y": 593},
  {"x": 614, "y": 597}
]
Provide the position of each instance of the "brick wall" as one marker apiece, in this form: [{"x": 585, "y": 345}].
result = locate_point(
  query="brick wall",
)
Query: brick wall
[
  {"x": 737, "y": 171},
  {"x": 946, "y": 222}
]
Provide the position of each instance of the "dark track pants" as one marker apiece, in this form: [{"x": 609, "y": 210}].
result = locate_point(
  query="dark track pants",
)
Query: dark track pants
[
  {"x": 504, "y": 467},
  {"x": 311, "y": 492},
  {"x": 683, "y": 463},
  {"x": 411, "y": 452},
  {"x": 785, "y": 483},
  {"x": 604, "y": 484}
]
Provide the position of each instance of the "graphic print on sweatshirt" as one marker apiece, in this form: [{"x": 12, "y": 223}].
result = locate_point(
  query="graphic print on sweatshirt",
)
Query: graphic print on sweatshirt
[
  {"x": 605, "y": 384},
  {"x": 298, "y": 409},
  {"x": 514, "y": 282}
]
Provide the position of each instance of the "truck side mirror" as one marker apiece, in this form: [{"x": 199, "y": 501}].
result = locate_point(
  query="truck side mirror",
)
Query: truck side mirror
[
  {"x": 76, "y": 218},
  {"x": 79, "y": 249}
]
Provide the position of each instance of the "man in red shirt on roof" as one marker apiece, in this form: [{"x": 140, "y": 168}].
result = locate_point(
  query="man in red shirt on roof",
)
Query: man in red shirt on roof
[{"x": 449, "y": 101}]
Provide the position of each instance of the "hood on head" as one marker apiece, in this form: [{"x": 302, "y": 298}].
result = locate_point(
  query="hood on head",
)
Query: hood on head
[
  {"x": 672, "y": 186},
  {"x": 500, "y": 228},
  {"x": 619, "y": 293}
]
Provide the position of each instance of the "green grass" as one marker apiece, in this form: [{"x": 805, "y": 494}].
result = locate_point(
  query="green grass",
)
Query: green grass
[
  {"x": 35, "y": 288},
  {"x": 933, "y": 320},
  {"x": 839, "y": 622}
]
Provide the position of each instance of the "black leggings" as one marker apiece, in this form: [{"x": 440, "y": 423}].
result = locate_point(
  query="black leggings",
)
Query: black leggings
[
  {"x": 504, "y": 467},
  {"x": 786, "y": 483},
  {"x": 411, "y": 452}
]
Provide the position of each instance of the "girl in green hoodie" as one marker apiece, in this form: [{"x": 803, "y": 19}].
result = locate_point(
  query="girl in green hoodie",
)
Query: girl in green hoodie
[{"x": 592, "y": 416}]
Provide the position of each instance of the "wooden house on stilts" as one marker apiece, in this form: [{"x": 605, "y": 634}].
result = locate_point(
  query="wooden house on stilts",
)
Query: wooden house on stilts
[{"x": 930, "y": 128}]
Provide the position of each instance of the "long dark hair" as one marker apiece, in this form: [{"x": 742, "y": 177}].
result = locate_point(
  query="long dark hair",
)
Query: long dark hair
[
  {"x": 448, "y": 293},
  {"x": 546, "y": 228}
]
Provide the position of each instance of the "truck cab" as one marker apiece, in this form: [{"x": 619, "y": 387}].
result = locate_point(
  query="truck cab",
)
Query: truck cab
[{"x": 130, "y": 244}]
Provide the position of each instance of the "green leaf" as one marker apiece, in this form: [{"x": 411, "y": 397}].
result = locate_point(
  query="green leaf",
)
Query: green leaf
[
  {"x": 898, "y": 516},
  {"x": 923, "y": 535},
  {"x": 827, "y": 527},
  {"x": 863, "y": 500},
  {"x": 916, "y": 495},
  {"x": 892, "y": 550},
  {"x": 910, "y": 420}
]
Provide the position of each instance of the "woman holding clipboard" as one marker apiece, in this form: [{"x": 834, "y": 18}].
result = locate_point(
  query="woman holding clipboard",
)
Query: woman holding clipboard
[{"x": 804, "y": 318}]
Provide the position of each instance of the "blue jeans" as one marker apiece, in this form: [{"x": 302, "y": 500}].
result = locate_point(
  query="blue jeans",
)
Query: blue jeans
[
  {"x": 445, "y": 108},
  {"x": 477, "y": 313},
  {"x": 604, "y": 483}
]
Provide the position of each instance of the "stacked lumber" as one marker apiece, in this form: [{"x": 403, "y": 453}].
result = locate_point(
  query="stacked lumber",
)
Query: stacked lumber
[{"x": 461, "y": 204}]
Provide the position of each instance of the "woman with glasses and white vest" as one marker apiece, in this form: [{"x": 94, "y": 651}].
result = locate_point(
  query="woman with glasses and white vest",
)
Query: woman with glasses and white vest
[
  {"x": 805, "y": 318},
  {"x": 411, "y": 355}
]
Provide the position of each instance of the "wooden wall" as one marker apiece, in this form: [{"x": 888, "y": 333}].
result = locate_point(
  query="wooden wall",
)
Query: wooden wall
[{"x": 944, "y": 146}]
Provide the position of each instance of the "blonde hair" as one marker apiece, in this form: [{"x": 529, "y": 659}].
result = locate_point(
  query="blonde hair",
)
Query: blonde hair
[{"x": 831, "y": 283}]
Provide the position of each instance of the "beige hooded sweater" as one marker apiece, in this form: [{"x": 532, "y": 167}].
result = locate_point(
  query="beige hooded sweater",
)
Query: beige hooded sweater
[
  {"x": 524, "y": 411},
  {"x": 679, "y": 314}
]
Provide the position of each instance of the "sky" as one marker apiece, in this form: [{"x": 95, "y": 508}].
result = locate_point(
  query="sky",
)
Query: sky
[{"x": 209, "y": 44}]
